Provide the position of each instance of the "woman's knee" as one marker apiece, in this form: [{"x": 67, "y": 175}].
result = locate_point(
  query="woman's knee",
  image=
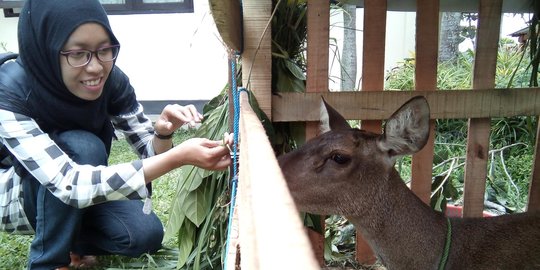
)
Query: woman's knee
[
  {"x": 83, "y": 147},
  {"x": 124, "y": 229},
  {"x": 147, "y": 239}
]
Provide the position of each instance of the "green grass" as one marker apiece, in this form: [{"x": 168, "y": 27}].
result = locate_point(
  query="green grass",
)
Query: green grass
[{"x": 14, "y": 248}]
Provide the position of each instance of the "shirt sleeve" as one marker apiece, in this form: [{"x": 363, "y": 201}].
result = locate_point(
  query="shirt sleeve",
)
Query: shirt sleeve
[
  {"x": 138, "y": 130},
  {"x": 77, "y": 185}
]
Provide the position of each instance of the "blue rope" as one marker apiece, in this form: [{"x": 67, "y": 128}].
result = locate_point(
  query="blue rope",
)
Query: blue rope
[{"x": 236, "y": 128}]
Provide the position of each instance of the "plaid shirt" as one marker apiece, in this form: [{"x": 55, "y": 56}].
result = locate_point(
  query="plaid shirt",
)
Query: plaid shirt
[{"x": 77, "y": 185}]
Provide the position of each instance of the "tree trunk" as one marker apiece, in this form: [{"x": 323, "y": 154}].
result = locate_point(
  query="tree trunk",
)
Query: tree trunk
[
  {"x": 348, "y": 59},
  {"x": 449, "y": 36}
]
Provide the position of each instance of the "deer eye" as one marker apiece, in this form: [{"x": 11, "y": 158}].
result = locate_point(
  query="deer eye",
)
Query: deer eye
[{"x": 340, "y": 159}]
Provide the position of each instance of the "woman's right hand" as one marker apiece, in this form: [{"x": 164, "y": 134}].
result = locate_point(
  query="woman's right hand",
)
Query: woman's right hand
[
  {"x": 205, "y": 153},
  {"x": 200, "y": 152}
]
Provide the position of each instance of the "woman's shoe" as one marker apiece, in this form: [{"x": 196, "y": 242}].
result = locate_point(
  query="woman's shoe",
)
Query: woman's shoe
[{"x": 78, "y": 261}]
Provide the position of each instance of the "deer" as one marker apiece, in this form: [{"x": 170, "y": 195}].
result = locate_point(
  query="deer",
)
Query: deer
[{"x": 351, "y": 172}]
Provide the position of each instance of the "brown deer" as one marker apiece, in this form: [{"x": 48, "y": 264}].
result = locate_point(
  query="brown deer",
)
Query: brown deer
[{"x": 351, "y": 172}]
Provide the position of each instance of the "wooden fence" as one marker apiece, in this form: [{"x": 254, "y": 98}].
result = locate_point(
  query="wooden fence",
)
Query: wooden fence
[{"x": 372, "y": 105}]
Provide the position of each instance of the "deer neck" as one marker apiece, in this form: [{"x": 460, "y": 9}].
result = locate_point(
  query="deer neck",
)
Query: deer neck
[{"x": 404, "y": 232}]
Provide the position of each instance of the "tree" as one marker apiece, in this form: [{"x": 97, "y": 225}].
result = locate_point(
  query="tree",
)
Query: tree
[
  {"x": 449, "y": 38},
  {"x": 349, "y": 59}
]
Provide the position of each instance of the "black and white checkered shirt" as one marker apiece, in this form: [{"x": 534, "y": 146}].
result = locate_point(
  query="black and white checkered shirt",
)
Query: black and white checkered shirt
[{"x": 77, "y": 185}]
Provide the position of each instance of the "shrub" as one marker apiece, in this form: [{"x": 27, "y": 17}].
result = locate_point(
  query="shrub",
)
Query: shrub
[{"x": 512, "y": 139}]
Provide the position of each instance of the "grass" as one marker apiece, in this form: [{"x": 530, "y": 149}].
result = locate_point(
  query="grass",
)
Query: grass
[{"x": 14, "y": 248}]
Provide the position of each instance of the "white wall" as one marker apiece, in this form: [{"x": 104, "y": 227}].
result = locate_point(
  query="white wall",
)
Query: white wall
[
  {"x": 166, "y": 56},
  {"x": 8, "y": 32},
  {"x": 400, "y": 37}
]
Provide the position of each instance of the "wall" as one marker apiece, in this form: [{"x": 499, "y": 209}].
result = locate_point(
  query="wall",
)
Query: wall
[
  {"x": 399, "y": 41},
  {"x": 166, "y": 56}
]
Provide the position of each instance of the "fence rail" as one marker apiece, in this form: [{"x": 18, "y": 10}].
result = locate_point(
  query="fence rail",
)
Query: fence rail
[
  {"x": 271, "y": 234},
  {"x": 379, "y": 105}
]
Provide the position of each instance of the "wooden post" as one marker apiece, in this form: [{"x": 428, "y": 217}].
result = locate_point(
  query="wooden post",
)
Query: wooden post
[
  {"x": 257, "y": 55},
  {"x": 373, "y": 54},
  {"x": 318, "y": 32},
  {"x": 427, "y": 45},
  {"x": 534, "y": 189},
  {"x": 485, "y": 62}
]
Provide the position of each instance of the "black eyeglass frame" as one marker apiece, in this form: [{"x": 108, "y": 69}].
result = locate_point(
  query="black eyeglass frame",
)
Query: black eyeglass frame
[{"x": 92, "y": 53}]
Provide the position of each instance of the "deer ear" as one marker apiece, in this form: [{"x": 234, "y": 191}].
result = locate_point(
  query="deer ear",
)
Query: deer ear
[
  {"x": 331, "y": 119},
  {"x": 407, "y": 130}
]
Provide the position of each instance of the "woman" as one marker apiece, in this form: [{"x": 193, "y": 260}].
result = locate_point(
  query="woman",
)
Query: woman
[{"x": 60, "y": 102}]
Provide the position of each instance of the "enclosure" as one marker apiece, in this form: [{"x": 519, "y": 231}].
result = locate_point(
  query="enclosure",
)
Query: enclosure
[{"x": 261, "y": 182}]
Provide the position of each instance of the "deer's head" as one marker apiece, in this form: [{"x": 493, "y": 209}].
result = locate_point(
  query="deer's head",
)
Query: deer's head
[{"x": 329, "y": 173}]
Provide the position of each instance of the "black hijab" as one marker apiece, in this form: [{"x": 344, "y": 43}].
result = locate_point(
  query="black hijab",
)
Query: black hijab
[{"x": 44, "y": 27}]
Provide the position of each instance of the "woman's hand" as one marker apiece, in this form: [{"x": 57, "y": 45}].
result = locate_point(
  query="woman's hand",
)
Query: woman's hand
[
  {"x": 200, "y": 152},
  {"x": 174, "y": 116},
  {"x": 206, "y": 154}
]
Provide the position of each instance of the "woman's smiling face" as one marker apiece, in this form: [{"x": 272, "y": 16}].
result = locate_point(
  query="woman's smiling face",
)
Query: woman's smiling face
[{"x": 86, "y": 82}]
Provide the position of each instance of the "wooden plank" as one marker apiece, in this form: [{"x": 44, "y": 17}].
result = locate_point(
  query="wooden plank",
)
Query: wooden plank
[
  {"x": 318, "y": 33},
  {"x": 534, "y": 188},
  {"x": 427, "y": 45},
  {"x": 272, "y": 236},
  {"x": 444, "y": 104},
  {"x": 489, "y": 23},
  {"x": 257, "y": 55},
  {"x": 373, "y": 53}
]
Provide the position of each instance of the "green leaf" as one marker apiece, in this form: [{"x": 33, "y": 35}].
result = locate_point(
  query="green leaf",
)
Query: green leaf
[
  {"x": 185, "y": 243},
  {"x": 212, "y": 105},
  {"x": 287, "y": 83},
  {"x": 295, "y": 70},
  {"x": 265, "y": 121},
  {"x": 197, "y": 204},
  {"x": 195, "y": 179},
  {"x": 176, "y": 216},
  {"x": 450, "y": 191}
]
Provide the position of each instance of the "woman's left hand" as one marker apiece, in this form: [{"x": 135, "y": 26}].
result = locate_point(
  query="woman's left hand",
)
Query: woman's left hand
[{"x": 174, "y": 116}]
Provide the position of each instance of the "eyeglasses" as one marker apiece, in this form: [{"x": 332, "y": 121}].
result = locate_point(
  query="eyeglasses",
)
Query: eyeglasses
[{"x": 80, "y": 58}]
